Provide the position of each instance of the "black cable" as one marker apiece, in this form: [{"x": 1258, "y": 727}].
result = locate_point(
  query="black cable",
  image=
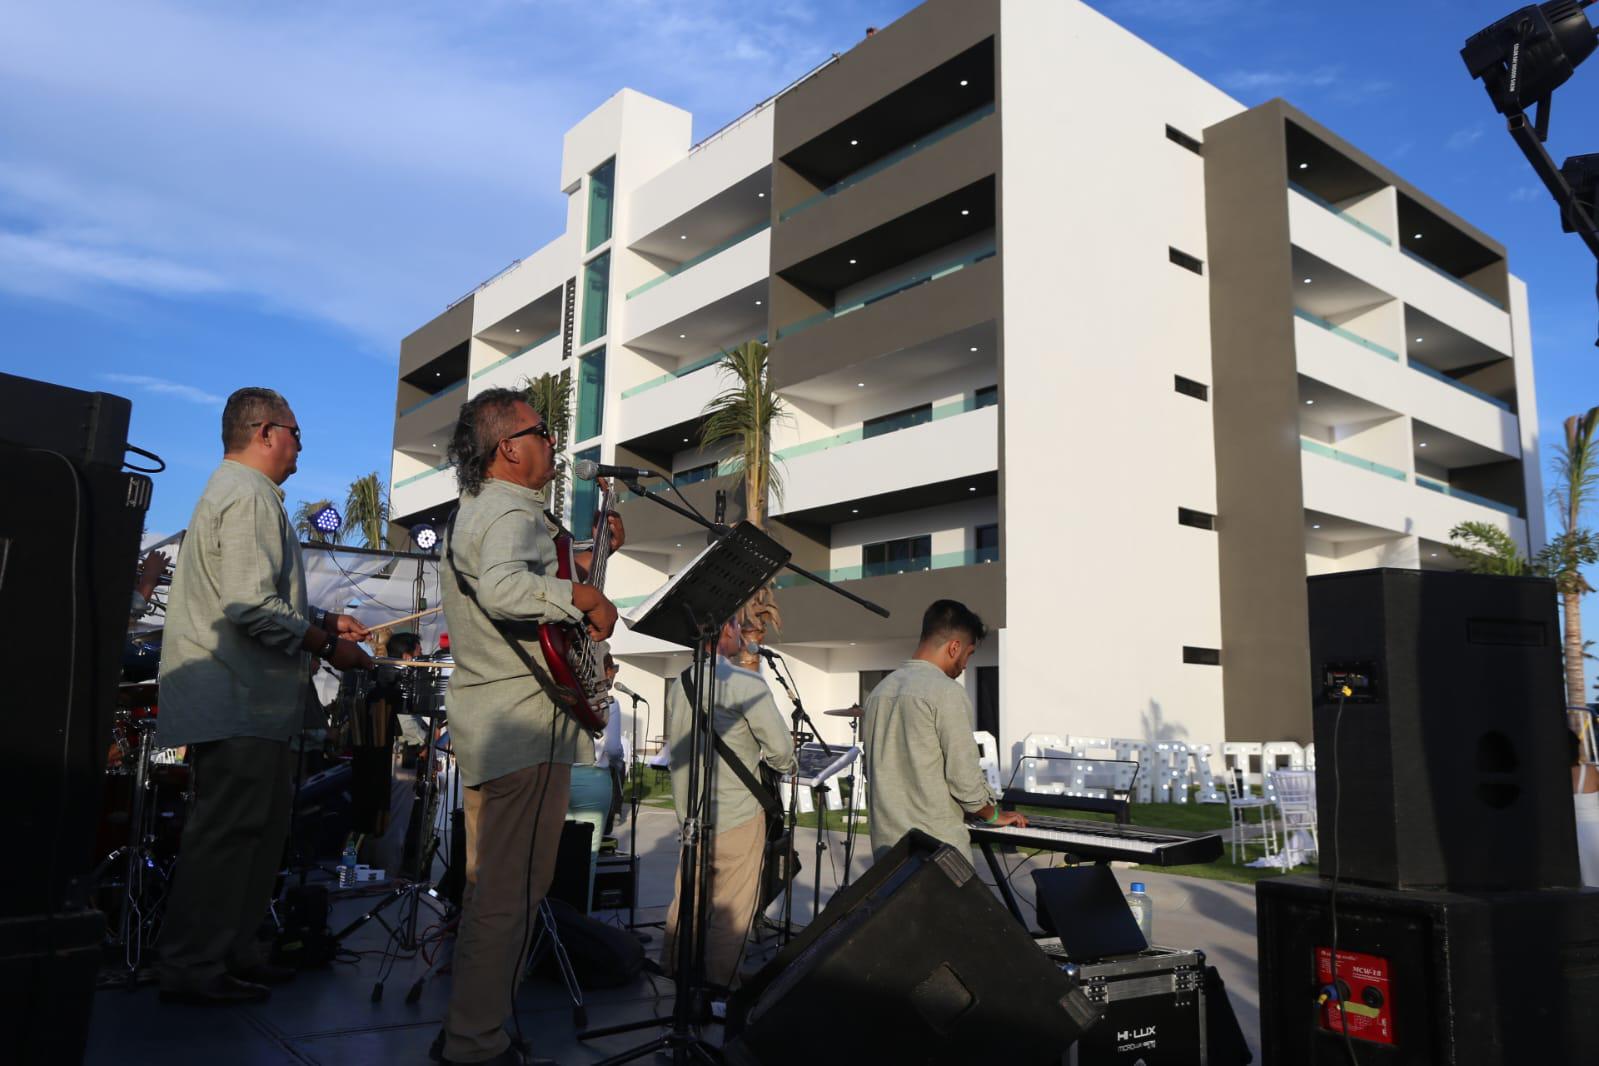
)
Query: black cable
[
  {"x": 161, "y": 464},
  {"x": 1338, "y": 795},
  {"x": 356, "y": 589}
]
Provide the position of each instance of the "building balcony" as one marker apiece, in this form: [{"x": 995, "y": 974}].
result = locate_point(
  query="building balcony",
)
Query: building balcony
[
  {"x": 929, "y": 304},
  {"x": 540, "y": 357},
  {"x": 670, "y": 399},
  {"x": 697, "y": 298},
  {"x": 1338, "y": 483},
  {"x": 421, "y": 423},
  {"x": 820, "y": 617},
  {"x": 421, "y": 491},
  {"x": 1352, "y": 365},
  {"x": 1329, "y": 236}
]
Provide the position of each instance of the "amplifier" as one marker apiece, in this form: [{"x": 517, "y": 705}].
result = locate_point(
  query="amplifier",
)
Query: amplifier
[
  {"x": 613, "y": 882},
  {"x": 1154, "y": 1006}
]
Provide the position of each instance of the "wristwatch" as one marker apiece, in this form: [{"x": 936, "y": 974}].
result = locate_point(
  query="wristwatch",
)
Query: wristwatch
[{"x": 331, "y": 646}]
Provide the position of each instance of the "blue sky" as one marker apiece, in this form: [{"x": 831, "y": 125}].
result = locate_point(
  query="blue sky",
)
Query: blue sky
[{"x": 195, "y": 197}]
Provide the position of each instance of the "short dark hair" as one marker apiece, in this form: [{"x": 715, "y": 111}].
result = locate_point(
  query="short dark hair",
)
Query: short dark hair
[
  {"x": 946, "y": 619},
  {"x": 401, "y": 644},
  {"x": 485, "y": 420},
  {"x": 245, "y": 409}
]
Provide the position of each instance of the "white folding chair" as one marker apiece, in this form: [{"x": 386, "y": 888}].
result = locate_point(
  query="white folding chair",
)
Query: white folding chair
[
  {"x": 1296, "y": 808},
  {"x": 1239, "y": 804}
]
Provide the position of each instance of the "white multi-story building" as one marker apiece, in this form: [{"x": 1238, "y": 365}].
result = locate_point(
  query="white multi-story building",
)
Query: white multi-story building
[{"x": 1064, "y": 332}]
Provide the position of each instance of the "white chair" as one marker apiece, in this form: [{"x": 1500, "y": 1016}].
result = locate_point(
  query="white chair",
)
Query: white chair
[
  {"x": 1239, "y": 804},
  {"x": 1296, "y": 807}
]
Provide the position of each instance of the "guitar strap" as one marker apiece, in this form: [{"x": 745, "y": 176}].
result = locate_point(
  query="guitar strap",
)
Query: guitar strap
[
  {"x": 563, "y": 696},
  {"x": 763, "y": 795}
]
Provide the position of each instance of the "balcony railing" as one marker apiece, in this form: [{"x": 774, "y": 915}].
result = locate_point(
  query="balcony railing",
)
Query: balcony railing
[
  {"x": 517, "y": 354},
  {"x": 949, "y": 129},
  {"x": 441, "y": 393},
  {"x": 1461, "y": 385},
  {"x": 418, "y": 477},
  {"x": 1315, "y": 447},
  {"x": 1462, "y": 494},
  {"x": 883, "y": 294},
  {"x": 737, "y": 238},
  {"x": 1347, "y": 335},
  {"x": 681, "y": 372},
  {"x": 945, "y": 561},
  {"x": 851, "y": 436},
  {"x": 1341, "y": 213},
  {"x": 1442, "y": 273}
]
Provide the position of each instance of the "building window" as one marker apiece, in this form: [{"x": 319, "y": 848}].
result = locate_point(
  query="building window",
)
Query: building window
[
  {"x": 1197, "y": 519},
  {"x": 1189, "y": 387},
  {"x": 602, "y": 191},
  {"x": 870, "y": 679},
  {"x": 585, "y": 497},
  {"x": 590, "y": 394},
  {"x": 987, "y": 396},
  {"x": 1177, "y": 136},
  {"x": 988, "y": 702},
  {"x": 985, "y": 543},
  {"x": 694, "y": 474},
  {"x": 897, "y": 556},
  {"x": 596, "y": 294},
  {"x": 1202, "y": 656},
  {"x": 1186, "y": 261},
  {"x": 911, "y": 416}
]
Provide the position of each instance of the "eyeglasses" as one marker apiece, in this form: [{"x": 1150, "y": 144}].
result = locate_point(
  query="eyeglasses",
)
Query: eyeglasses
[
  {"x": 540, "y": 430},
  {"x": 295, "y": 430}
]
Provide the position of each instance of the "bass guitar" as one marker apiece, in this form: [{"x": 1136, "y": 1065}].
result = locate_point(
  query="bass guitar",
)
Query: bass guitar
[{"x": 574, "y": 659}]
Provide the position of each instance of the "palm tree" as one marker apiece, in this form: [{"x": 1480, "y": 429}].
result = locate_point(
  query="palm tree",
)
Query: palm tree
[
  {"x": 551, "y": 396},
  {"x": 308, "y": 532},
  {"x": 366, "y": 509},
  {"x": 1484, "y": 548},
  {"x": 742, "y": 415},
  {"x": 1577, "y": 486}
]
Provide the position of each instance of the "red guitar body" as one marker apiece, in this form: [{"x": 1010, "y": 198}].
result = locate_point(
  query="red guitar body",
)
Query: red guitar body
[{"x": 569, "y": 655}]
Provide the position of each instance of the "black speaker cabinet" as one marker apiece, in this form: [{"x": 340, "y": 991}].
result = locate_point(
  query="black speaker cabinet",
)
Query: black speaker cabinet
[
  {"x": 1453, "y": 979},
  {"x": 1447, "y": 766},
  {"x": 917, "y": 962}
]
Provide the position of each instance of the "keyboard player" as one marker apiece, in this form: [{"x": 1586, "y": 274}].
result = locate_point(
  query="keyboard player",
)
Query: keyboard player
[{"x": 917, "y": 740}]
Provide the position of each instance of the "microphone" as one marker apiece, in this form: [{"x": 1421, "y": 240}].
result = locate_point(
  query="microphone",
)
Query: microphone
[
  {"x": 768, "y": 654},
  {"x": 588, "y": 470},
  {"x": 624, "y": 690}
]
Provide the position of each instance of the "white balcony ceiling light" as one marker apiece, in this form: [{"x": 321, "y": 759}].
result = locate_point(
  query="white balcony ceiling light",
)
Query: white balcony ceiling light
[
  {"x": 757, "y": 303},
  {"x": 1309, "y": 403},
  {"x": 1423, "y": 444},
  {"x": 971, "y": 488},
  {"x": 965, "y": 211},
  {"x": 853, "y": 143},
  {"x": 852, "y": 262},
  {"x": 1416, "y": 236},
  {"x": 1304, "y": 166},
  {"x": 974, "y": 347},
  {"x": 682, "y": 336},
  {"x": 1418, "y": 340},
  {"x": 761, "y": 195},
  {"x": 854, "y": 510},
  {"x": 1307, "y": 281},
  {"x": 1434, "y": 555},
  {"x": 519, "y": 329},
  {"x": 1315, "y": 525},
  {"x": 964, "y": 83},
  {"x": 682, "y": 236},
  {"x": 860, "y": 384}
]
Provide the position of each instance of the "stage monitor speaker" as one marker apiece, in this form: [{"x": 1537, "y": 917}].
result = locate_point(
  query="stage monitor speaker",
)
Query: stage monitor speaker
[
  {"x": 1447, "y": 767},
  {"x": 916, "y": 962},
  {"x": 1452, "y": 979}
]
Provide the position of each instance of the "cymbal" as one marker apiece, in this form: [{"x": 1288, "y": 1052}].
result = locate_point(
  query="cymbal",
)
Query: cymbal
[{"x": 846, "y": 712}]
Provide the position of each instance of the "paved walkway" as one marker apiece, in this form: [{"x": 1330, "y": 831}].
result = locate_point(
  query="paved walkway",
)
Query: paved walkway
[{"x": 328, "y": 1017}]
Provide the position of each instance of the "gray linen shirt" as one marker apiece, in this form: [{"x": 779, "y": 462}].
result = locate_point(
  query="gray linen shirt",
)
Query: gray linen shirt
[
  {"x": 748, "y": 720},
  {"x": 500, "y": 719},
  {"x": 231, "y": 664},
  {"x": 921, "y": 759}
]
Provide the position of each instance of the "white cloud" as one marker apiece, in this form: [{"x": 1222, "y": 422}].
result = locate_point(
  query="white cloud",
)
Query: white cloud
[
  {"x": 1523, "y": 193},
  {"x": 58, "y": 266},
  {"x": 1460, "y": 140},
  {"x": 163, "y": 387}
]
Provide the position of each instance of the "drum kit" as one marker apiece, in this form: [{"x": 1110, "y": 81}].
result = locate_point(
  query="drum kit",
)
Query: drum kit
[{"x": 145, "y": 801}]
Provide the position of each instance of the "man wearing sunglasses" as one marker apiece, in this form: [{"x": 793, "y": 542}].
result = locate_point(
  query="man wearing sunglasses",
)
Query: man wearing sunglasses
[
  {"x": 234, "y": 667},
  {"x": 513, "y": 746}
]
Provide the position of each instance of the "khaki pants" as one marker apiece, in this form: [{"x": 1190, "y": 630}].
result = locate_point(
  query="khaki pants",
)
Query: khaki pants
[
  {"x": 229, "y": 859},
  {"x": 735, "y": 888},
  {"x": 502, "y": 817}
]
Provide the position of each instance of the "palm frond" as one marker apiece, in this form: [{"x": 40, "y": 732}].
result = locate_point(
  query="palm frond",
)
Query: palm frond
[
  {"x": 366, "y": 509},
  {"x": 551, "y": 396},
  {"x": 1486, "y": 549}
]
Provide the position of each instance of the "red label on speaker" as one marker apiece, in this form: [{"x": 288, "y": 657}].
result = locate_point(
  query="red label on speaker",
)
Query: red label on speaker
[{"x": 1366, "y": 1003}]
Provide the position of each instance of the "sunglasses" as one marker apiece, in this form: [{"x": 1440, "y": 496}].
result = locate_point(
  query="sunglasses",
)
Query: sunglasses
[
  {"x": 540, "y": 430},
  {"x": 295, "y": 430}
]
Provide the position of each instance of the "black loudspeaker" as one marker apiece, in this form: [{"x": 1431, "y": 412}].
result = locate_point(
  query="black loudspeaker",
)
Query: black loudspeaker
[
  {"x": 570, "y": 882},
  {"x": 47, "y": 969},
  {"x": 914, "y": 963},
  {"x": 1447, "y": 766},
  {"x": 1430, "y": 977}
]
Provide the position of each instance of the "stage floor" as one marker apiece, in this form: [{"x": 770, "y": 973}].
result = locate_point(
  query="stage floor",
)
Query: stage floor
[{"x": 328, "y": 1017}]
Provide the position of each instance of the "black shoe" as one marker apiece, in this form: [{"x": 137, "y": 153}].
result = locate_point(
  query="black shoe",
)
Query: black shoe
[
  {"x": 521, "y": 1047},
  {"x": 264, "y": 973},
  {"x": 221, "y": 990}
]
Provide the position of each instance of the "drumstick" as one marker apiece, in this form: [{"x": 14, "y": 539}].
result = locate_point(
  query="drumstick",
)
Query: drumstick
[
  {"x": 408, "y": 618},
  {"x": 385, "y": 661}
]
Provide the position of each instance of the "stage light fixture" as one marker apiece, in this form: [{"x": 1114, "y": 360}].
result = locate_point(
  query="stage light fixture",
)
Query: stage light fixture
[
  {"x": 1531, "y": 52},
  {"x": 327, "y": 520},
  {"x": 1582, "y": 174},
  {"x": 425, "y": 536}
]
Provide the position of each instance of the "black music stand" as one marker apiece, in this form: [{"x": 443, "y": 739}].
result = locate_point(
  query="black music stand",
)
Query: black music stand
[{"x": 689, "y": 611}]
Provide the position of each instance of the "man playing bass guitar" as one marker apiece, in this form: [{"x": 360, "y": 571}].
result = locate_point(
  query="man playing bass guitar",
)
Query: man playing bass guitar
[{"x": 514, "y": 744}]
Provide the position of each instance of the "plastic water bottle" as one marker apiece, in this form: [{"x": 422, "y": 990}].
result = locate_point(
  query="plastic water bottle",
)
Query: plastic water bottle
[
  {"x": 1143, "y": 909},
  {"x": 347, "y": 866}
]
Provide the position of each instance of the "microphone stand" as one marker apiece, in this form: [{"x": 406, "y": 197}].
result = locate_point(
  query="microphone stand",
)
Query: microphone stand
[
  {"x": 800, "y": 717},
  {"x": 635, "y": 770}
]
